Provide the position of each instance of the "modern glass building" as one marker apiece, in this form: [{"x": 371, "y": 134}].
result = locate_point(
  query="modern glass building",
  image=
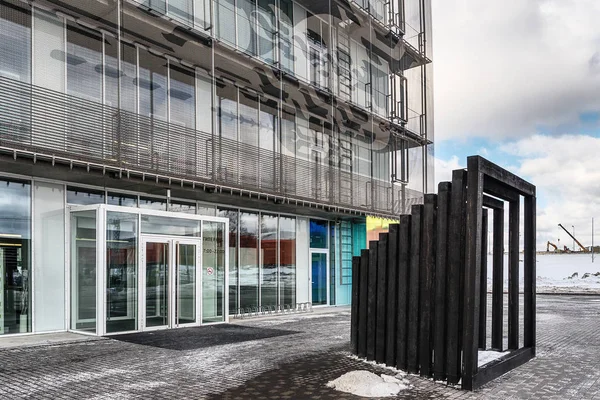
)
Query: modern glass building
[{"x": 170, "y": 163}]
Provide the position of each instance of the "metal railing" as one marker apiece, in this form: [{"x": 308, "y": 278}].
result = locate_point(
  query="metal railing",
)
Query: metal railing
[{"x": 46, "y": 122}]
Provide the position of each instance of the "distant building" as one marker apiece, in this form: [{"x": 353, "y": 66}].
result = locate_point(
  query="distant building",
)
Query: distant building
[{"x": 168, "y": 163}]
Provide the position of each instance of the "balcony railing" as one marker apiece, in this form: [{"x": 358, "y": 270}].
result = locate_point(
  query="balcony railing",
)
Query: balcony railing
[{"x": 49, "y": 123}]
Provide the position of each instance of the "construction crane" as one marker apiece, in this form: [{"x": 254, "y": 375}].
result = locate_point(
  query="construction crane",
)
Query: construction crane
[
  {"x": 551, "y": 244},
  {"x": 573, "y": 237}
]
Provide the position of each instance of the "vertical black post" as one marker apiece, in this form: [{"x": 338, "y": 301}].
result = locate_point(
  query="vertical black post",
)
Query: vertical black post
[
  {"x": 441, "y": 264},
  {"x": 362, "y": 303},
  {"x": 472, "y": 282},
  {"x": 372, "y": 301},
  {"x": 483, "y": 281},
  {"x": 454, "y": 271},
  {"x": 404, "y": 251},
  {"x": 498, "y": 280},
  {"x": 427, "y": 272},
  {"x": 529, "y": 272},
  {"x": 413, "y": 290},
  {"x": 382, "y": 249},
  {"x": 392, "y": 296},
  {"x": 513, "y": 275},
  {"x": 354, "y": 304}
]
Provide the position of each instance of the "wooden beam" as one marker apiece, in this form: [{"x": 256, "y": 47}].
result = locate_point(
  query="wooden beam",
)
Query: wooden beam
[
  {"x": 501, "y": 366},
  {"x": 454, "y": 294},
  {"x": 372, "y": 301},
  {"x": 404, "y": 252},
  {"x": 363, "y": 303},
  {"x": 392, "y": 297},
  {"x": 498, "y": 189},
  {"x": 472, "y": 269},
  {"x": 413, "y": 290},
  {"x": 513, "y": 275},
  {"x": 382, "y": 261},
  {"x": 498, "y": 281},
  {"x": 483, "y": 281},
  {"x": 354, "y": 304},
  {"x": 529, "y": 272},
  {"x": 441, "y": 265},
  {"x": 507, "y": 178},
  {"x": 491, "y": 202},
  {"x": 427, "y": 274}
]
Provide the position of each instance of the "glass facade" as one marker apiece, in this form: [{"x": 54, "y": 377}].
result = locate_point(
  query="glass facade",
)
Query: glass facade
[
  {"x": 121, "y": 272},
  {"x": 83, "y": 271},
  {"x": 273, "y": 128},
  {"x": 262, "y": 260},
  {"x": 295, "y": 100},
  {"x": 213, "y": 272},
  {"x": 15, "y": 264}
]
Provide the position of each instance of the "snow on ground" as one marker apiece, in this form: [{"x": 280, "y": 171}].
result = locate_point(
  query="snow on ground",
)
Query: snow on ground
[
  {"x": 367, "y": 384},
  {"x": 485, "y": 357},
  {"x": 558, "y": 273}
]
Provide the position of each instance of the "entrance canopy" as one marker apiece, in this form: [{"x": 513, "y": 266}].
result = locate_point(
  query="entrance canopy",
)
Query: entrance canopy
[{"x": 135, "y": 270}]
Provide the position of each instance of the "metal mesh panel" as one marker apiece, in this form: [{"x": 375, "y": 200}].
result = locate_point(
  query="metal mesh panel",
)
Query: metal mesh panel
[{"x": 47, "y": 122}]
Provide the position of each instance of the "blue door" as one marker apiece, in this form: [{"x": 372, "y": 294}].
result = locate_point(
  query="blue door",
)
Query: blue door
[{"x": 319, "y": 278}]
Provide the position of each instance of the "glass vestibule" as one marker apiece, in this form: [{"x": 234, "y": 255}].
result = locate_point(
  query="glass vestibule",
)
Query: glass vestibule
[{"x": 138, "y": 269}]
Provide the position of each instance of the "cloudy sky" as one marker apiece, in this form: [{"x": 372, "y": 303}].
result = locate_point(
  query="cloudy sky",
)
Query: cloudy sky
[{"x": 518, "y": 82}]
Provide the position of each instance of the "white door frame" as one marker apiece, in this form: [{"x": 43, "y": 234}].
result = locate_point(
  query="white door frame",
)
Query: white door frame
[{"x": 173, "y": 280}]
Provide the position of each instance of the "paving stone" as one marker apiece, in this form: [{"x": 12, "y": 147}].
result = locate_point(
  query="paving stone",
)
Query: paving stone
[{"x": 288, "y": 357}]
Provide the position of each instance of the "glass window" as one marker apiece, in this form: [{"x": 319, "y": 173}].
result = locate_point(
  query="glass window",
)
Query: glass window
[
  {"x": 248, "y": 267},
  {"x": 182, "y": 10},
  {"x": 15, "y": 244},
  {"x": 152, "y": 85},
  {"x": 267, "y": 30},
  {"x": 213, "y": 271},
  {"x": 83, "y": 271},
  {"x": 119, "y": 199},
  {"x": 153, "y": 203},
  {"x": 268, "y": 255},
  {"x": 121, "y": 272},
  {"x": 128, "y": 80},
  {"x": 84, "y": 63},
  {"x": 287, "y": 261},
  {"x": 225, "y": 15},
  {"x": 170, "y": 226},
  {"x": 84, "y": 197},
  {"x": 182, "y": 207},
  {"x": 318, "y": 234},
  {"x": 15, "y": 41},
  {"x": 246, "y": 28},
  {"x": 232, "y": 215},
  {"x": 182, "y": 94},
  {"x": 286, "y": 35}
]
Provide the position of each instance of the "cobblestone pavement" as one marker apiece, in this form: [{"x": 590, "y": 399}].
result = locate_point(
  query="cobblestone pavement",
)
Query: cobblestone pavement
[{"x": 288, "y": 357}]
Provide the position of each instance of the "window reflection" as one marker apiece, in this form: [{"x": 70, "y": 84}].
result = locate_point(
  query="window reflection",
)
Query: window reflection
[
  {"x": 248, "y": 271},
  {"x": 268, "y": 252},
  {"x": 83, "y": 271},
  {"x": 15, "y": 242},
  {"x": 232, "y": 215},
  {"x": 213, "y": 271},
  {"x": 121, "y": 271},
  {"x": 287, "y": 260}
]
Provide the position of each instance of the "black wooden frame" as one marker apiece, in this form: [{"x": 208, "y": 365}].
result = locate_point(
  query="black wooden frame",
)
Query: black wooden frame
[
  {"x": 421, "y": 290},
  {"x": 484, "y": 177}
]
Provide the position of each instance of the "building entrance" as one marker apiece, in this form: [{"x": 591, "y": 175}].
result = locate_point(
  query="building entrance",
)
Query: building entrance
[
  {"x": 170, "y": 282},
  {"x": 137, "y": 270}
]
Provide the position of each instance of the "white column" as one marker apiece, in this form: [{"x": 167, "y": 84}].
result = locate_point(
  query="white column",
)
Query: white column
[{"x": 302, "y": 260}]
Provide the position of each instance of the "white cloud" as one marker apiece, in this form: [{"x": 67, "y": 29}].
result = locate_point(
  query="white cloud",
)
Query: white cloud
[
  {"x": 566, "y": 172},
  {"x": 505, "y": 68},
  {"x": 443, "y": 169}
]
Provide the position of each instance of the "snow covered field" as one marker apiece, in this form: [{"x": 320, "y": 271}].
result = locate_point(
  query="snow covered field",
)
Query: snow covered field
[{"x": 554, "y": 272}]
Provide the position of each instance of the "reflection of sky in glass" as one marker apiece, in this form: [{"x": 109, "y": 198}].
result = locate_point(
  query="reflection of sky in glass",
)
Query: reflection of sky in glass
[{"x": 15, "y": 209}]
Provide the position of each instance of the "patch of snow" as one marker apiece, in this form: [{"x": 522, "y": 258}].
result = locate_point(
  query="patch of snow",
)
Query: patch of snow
[
  {"x": 367, "y": 384},
  {"x": 487, "y": 356}
]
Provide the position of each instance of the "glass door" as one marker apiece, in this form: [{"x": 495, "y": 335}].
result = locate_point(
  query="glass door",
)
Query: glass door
[
  {"x": 319, "y": 277},
  {"x": 186, "y": 282},
  {"x": 171, "y": 289},
  {"x": 156, "y": 288}
]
